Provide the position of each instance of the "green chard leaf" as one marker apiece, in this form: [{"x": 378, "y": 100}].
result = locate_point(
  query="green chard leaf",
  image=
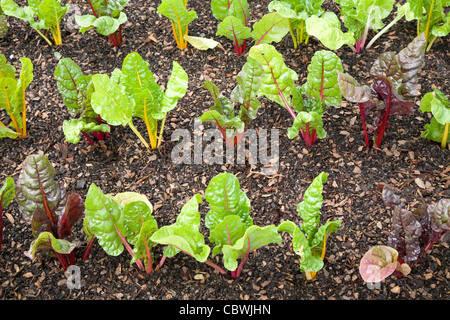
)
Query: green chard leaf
[
  {"x": 106, "y": 220},
  {"x": 7, "y": 193},
  {"x": 322, "y": 82},
  {"x": 179, "y": 16},
  {"x": 184, "y": 234},
  {"x": 254, "y": 237},
  {"x": 47, "y": 242},
  {"x": 271, "y": 28},
  {"x": 225, "y": 198},
  {"x": 327, "y": 29},
  {"x": 233, "y": 29},
  {"x": 278, "y": 81}
]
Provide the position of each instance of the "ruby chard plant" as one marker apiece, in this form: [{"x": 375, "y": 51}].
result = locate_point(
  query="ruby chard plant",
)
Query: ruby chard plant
[
  {"x": 438, "y": 129},
  {"x": 7, "y": 194},
  {"x": 379, "y": 263},
  {"x": 180, "y": 17},
  {"x": 309, "y": 239},
  {"x": 395, "y": 82},
  {"x": 41, "y": 15},
  {"x": 414, "y": 231},
  {"x": 46, "y": 206},
  {"x": 107, "y": 19},
  {"x": 13, "y": 97}
]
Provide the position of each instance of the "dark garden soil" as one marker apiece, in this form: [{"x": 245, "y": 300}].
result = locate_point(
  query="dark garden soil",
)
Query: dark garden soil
[{"x": 418, "y": 168}]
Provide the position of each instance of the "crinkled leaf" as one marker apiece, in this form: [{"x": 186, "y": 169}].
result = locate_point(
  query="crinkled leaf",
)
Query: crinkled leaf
[
  {"x": 406, "y": 228},
  {"x": 110, "y": 101},
  {"x": 27, "y": 13},
  {"x": 233, "y": 29},
  {"x": 221, "y": 103},
  {"x": 135, "y": 214},
  {"x": 36, "y": 188},
  {"x": 309, "y": 208},
  {"x": 278, "y": 81},
  {"x": 25, "y": 78},
  {"x": 184, "y": 234},
  {"x": 225, "y": 198},
  {"x": 271, "y": 28},
  {"x": 221, "y": 8},
  {"x": 124, "y": 198},
  {"x": 245, "y": 93},
  {"x": 7, "y": 193},
  {"x": 327, "y": 29},
  {"x": 52, "y": 12},
  {"x": 440, "y": 215},
  {"x": 71, "y": 83},
  {"x": 319, "y": 242},
  {"x": 228, "y": 231},
  {"x": 378, "y": 263},
  {"x": 300, "y": 244},
  {"x": 143, "y": 243},
  {"x": 434, "y": 131},
  {"x": 411, "y": 59},
  {"x": 314, "y": 121},
  {"x": 254, "y": 237},
  {"x": 47, "y": 242},
  {"x": 361, "y": 14},
  {"x": 176, "y": 89},
  {"x": 351, "y": 89},
  {"x": 229, "y": 126},
  {"x": 322, "y": 79},
  {"x": 73, "y": 212},
  {"x": 73, "y": 128},
  {"x": 104, "y": 25},
  {"x": 105, "y": 220},
  {"x": 176, "y": 12}
]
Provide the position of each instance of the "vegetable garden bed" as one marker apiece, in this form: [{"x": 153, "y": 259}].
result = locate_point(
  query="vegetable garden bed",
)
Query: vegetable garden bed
[{"x": 329, "y": 151}]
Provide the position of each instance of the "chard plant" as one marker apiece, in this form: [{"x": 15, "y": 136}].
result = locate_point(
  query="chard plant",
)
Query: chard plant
[
  {"x": 76, "y": 90},
  {"x": 231, "y": 228},
  {"x": 297, "y": 12},
  {"x": 309, "y": 239},
  {"x": 234, "y": 25},
  {"x": 41, "y": 15},
  {"x": 415, "y": 231},
  {"x": 45, "y": 204},
  {"x": 432, "y": 18},
  {"x": 7, "y": 194},
  {"x": 379, "y": 263},
  {"x": 133, "y": 92},
  {"x": 3, "y": 23},
  {"x": 223, "y": 114},
  {"x": 359, "y": 17},
  {"x": 305, "y": 104},
  {"x": 438, "y": 129},
  {"x": 118, "y": 222},
  {"x": 180, "y": 17},
  {"x": 395, "y": 82},
  {"x": 13, "y": 97},
  {"x": 107, "y": 19}
]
